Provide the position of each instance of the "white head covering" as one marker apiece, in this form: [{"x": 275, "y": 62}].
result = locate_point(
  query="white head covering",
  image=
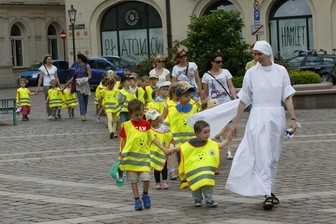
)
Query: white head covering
[{"x": 264, "y": 47}]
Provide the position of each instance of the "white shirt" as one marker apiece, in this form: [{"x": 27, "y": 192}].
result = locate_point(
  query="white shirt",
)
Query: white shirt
[
  {"x": 162, "y": 75},
  {"x": 215, "y": 90},
  {"x": 49, "y": 74},
  {"x": 180, "y": 73}
]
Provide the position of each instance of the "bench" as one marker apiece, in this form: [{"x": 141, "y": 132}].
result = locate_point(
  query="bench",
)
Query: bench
[{"x": 7, "y": 106}]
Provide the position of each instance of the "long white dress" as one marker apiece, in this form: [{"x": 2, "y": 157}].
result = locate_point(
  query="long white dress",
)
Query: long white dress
[{"x": 255, "y": 163}]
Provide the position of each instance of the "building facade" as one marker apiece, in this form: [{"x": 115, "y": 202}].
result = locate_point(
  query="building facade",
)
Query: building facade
[{"x": 143, "y": 28}]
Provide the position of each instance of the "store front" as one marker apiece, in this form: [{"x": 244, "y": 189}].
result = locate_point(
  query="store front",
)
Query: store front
[
  {"x": 291, "y": 28},
  {"x": 132, "y": 30}
]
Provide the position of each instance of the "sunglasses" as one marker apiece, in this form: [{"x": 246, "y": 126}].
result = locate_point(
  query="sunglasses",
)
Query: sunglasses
[
  {"x": 183, "y": 55},
  {"x": 161, "y": 61},
  {"x": 218, "y": 62}
]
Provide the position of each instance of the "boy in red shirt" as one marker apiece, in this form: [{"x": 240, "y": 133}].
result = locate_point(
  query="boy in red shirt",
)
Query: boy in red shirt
[{"x": 135, "y": 137}]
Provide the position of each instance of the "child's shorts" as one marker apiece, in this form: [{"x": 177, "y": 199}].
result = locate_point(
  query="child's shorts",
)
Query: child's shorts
[{"x": 136, "y": 177}]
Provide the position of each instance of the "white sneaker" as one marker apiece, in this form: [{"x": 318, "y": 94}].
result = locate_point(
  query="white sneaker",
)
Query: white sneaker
[
  {"x": 98, "y": 119},
  {"x": 50, "y": 117}
]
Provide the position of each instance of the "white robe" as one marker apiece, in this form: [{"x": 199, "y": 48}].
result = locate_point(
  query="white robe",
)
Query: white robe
[{"x": 255, "y": 163}]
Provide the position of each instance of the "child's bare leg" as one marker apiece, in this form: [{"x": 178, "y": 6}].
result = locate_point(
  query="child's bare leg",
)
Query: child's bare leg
[
  {"x": 135, "y": 190},
  {"x": 172, "y": 161}
]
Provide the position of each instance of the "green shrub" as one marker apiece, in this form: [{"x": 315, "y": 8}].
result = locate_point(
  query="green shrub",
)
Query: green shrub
[
  {"x": 299, "y": 77},
  {"x": 237, "y": 81},
  {"x": 304, "y": 77}
]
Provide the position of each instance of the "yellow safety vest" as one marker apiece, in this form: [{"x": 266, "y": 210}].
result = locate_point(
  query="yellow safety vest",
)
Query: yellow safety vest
[
  {"x": 198, "y": 164},
  {"x": 99, "y": 88},
  {"x": 136, "y": 152},
  {"x": 182, "y": 131},
  {"x": 70, "y": 98},
  {"x": 55, "y": 97},
  {"x": 140, "y": 94},
  {"x": 110, "y": 100},
  {"x": 128, "y": 97},
  {"x": 158, "y": 158},
  {"x": 149, "y": 92},
  {"x": 24, "y": 97}
]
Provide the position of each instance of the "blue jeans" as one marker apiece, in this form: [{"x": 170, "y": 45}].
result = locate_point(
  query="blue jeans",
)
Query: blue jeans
[
  {"x": 206, "y": 191},
  {"x": 83, "y": 103}
]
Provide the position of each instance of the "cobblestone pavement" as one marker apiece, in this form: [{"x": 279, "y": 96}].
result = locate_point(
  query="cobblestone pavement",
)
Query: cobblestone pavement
[{"x": 58, "y": 172}]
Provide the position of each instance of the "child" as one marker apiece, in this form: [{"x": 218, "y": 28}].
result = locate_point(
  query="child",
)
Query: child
[
  {"x": 178, "y": 115},
  {"x": 145, "y": 81},
  {"x": 151, "y": 88},
  {"x": 158, "y": 158},
  {"x": 139, "y": 92},
  {"x": 136, "y": 135},
  {"x": 23, "y": 99},
  {"x": 109, "y": 96},
  {"x": 70, "y": 100},
  {"x": 199, "y": 159},
  {"x": 125, "y": 95},
  {"x": 54, "y": 99},
  {"x": 100, "y": 87}
]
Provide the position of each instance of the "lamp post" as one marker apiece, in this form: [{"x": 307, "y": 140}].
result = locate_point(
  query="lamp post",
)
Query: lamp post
[{"x": 72, "y": 17}]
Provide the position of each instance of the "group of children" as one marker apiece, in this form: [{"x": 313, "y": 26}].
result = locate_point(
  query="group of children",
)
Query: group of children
[
  {"x": 154, "y": 133},
  {"x": 57, "y": 98}
]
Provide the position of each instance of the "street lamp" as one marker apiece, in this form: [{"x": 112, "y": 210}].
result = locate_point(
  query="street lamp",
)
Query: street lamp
[{"x": 72, "y": 16}]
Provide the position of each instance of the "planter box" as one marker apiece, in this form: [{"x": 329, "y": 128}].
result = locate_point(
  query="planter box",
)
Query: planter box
[{"x": 315, "y": 96}]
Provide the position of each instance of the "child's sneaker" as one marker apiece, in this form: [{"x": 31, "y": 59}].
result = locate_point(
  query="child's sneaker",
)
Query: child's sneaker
[
  {"x": 98, "y": 119},
  {"x": 146, "y": 201},
  {"x": 198, "y": 203},
  {"x": 158, "y": 186},
  {"x": 138, "y": 205},
  {"x": 211, "y": 204},
  {"x": 173, "y": 174},
  {"x": 164, "y": 185}
]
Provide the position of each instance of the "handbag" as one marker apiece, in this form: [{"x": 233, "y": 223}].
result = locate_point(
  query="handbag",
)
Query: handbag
[
  {"x": 221, "y": 85},
  {"x": 73, "y": 84}
]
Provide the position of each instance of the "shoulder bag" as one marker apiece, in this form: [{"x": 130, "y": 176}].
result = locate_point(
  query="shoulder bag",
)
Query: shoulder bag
[{"x": 220, "y": 84}]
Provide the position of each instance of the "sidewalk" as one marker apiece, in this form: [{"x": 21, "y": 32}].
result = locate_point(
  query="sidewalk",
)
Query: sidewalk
[{"x": 57, "y": 172}]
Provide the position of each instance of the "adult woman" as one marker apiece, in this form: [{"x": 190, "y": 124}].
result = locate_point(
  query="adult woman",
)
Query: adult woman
[
  {"x": 81, "y": 79},
  {"x": 217, "y": 84},
  {"x": 159, "y": 70},
  {"x": 47, "y": 72},
  {"x": 186, "y": 71},
  {"x": 255, "y": 164}
]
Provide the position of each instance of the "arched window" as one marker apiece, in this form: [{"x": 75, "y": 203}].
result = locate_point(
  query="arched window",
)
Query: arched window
[
  {"x": 220, "y": 4},
  {"x": 16, "y": 45},
  {"x": 291, "y": 28},
  {"x": 132, "y": 30},
  {"x": 52, "y": 42}
]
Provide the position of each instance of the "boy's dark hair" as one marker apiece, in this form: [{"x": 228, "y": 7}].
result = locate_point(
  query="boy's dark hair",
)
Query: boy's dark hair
[
  {"x": 83, "y": 58},
  {"x": 135, "y": 105},
  {"x": 199, "y": 125}
]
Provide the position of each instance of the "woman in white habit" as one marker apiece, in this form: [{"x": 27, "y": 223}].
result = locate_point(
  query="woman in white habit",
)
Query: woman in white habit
[{"x": 265, "y": 86}]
